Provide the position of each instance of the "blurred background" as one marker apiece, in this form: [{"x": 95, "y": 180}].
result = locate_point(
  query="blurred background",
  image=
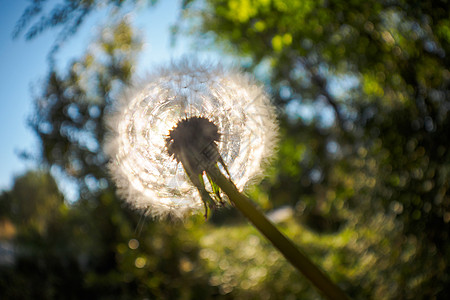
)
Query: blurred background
[{"x": 360, "y": 181}]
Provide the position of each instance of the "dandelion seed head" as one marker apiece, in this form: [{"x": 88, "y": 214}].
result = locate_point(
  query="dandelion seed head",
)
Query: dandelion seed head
[{"x": 142, "y": 165}]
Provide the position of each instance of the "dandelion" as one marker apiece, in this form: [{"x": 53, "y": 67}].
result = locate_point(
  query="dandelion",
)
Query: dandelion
[
  {"x": 175, "y": 137},
  {"x": 145, "y": 170}
]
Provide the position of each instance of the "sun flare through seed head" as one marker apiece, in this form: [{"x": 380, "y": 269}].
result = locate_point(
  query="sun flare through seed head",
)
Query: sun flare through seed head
[{"x": 232, "y": 109}]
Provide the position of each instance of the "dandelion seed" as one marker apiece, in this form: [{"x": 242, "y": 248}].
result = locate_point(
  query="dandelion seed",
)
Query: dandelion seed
[{"x": 144, "y": 161}]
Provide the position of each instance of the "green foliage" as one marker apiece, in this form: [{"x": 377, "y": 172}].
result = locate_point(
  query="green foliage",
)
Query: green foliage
[
  {"x": 69, "y": 113},
  {"x": 87, "y": 249},
  {"x": 33, "y": 202}
]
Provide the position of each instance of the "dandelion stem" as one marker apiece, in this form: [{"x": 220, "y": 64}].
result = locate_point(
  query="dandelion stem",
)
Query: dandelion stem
[{"x": 281, "y": 242}]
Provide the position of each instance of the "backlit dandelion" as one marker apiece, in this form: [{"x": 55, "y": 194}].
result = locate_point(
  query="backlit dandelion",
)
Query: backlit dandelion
[
  {"x": 148, "y": 175},
  {"x": 191, "y": 134}
]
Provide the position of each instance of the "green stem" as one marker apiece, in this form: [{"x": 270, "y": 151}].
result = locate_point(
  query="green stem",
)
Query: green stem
[{"x": 283, "y": 244}]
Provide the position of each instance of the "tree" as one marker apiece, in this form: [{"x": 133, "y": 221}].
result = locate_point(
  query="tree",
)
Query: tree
[
  {"x": 33, "y": 202},
  {"x": 70, "y": 111}
]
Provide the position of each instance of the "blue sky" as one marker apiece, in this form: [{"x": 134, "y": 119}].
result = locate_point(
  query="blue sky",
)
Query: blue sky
[{"x": 24, "y": 64}]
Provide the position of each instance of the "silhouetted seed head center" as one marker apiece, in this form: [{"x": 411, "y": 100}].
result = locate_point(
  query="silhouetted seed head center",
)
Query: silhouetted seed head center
[{"x": 193, "y": 142}]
